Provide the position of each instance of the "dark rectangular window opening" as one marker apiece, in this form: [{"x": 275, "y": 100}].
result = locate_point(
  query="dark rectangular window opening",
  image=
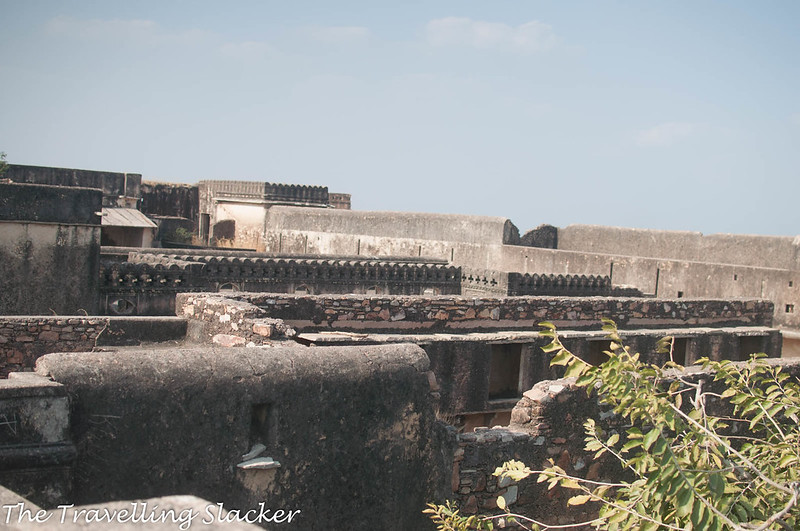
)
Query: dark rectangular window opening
[
  {"x": 790, "y": 308},
  {"x": 750, "y": 345},
  {"x": 679, "y": 349},
  {"x": 735, "y": 277},
  {"x": 504, "y": 374},
  {"x": 596, "y": 354},
  {"x": 263, "y": 425},
  {"x": 680, "y": 294},
  {"x": 791, "y": 283}
]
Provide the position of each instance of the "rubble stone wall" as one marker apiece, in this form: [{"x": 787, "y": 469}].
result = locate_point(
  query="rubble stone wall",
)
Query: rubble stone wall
[
  {"x": 23, "y": 339},
  {"x": 409, "y": 314}
]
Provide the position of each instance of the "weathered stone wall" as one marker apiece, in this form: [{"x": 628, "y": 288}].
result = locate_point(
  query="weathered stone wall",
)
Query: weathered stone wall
[
  {"x": 36, "y": 453},
  {"x": 49, "y": 249},
  {"x": 426, "y": 314},
  {"x": 112, "y": 184},
  {"x": 24, "y": 339},
  {"x": 778, "y": 252},
  {"x": 170, "y": 199},
  {"x": 465, "y": 364},
  {"x": 350, "y": 431},
  {"x": 229, "y": 323},
  {"x": 708, "y": 268},
  {"x": 49, "y": 204},
  {"x": 666, "y": 278},
  {"x": 320, "y": 226}
]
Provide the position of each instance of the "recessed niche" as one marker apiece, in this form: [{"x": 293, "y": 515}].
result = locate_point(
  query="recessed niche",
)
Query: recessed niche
[{"x": 504, "y": 371}]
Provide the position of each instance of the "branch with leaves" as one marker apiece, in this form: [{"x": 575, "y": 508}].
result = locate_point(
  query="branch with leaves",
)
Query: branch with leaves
[{"x": 688, "y": 468}]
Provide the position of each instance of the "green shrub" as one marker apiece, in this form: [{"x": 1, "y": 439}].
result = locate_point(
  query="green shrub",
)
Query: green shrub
[{"x": 688, "y": 468}]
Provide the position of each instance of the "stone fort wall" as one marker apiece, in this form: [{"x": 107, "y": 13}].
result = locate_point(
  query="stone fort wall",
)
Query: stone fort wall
[{"x": 661, "y": 263}]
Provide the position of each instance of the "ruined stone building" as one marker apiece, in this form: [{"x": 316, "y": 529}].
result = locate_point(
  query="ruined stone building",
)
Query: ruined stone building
[{"x": 349, "y": 365}]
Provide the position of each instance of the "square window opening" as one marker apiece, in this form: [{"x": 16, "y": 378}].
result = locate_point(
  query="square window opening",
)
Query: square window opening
[
  {"x": 750, "y": 345},
  {"x": 596, "y": 354},
  {"x": 504, "y": 371}
]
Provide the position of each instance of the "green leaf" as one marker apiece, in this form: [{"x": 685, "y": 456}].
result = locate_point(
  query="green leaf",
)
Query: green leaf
[
  {"x": 727, "y": 393},
  {"x": 501, "y": 503},
  {"x": 716, "y": 484},
  {"x": 697, "y": 515},
  {"x": 650, "y": 438},
  {"x": 683, "y": 505},
  {"x": 562, "y": 358},
  {"x": 574, "y": 369},
  {"x": 551, "y": 347}
]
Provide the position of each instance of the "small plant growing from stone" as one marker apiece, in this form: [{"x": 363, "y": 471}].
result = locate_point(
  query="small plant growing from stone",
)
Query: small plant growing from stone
[
  {"x": 3, "y": 163},
  {"x": 689, "y": 468}
]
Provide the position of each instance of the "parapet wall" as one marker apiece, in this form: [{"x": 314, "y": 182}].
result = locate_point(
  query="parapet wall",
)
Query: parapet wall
[
  {"x": 49, "y": 204},
  {"x": 462, "y": 314},
  {"x": 169, "y": 199},
  {"x": 271, "y": 192},
  {"x": 667, "y": 278},
  {"x": 405, "y": 225},
  {"x": 112, "y": 184},
  {"x": 778, "y": 252},
  {"x": 147, "y": 283},
  {"x": 346, "y": 434},
  {"x": 485, "y": 282}
]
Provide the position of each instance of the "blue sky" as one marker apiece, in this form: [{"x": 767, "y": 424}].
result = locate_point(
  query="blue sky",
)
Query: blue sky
[{"x": 680, "y": 115}]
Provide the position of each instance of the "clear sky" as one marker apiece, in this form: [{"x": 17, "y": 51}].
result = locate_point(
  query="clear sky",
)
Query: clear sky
[{"x": 680, "y": 115}]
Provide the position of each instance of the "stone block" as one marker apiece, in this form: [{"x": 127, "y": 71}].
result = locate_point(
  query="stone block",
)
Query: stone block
[
  {"x": 262, "y": 329},
  {"x": 227, "y": 340},
  {"x": 48, "y": 335}
]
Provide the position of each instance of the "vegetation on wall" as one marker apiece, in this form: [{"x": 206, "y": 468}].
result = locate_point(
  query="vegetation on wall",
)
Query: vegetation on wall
[
  {"x": 3, "y": 163},
  {"x": 721, "y": 454}
]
